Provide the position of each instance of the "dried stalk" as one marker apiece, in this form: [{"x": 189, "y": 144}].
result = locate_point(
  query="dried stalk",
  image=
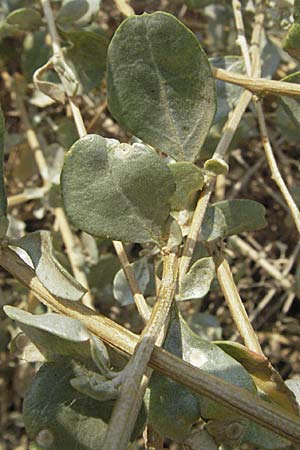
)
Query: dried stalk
[
  {"x": 258, "y": 86},
  {"x": 234, "y": 302},
  {"x": 134, "y": 386},
  {"x": 275, "y": 173}
]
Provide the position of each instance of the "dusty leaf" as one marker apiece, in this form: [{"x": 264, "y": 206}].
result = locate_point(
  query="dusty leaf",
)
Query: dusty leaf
[
  {"x": 116, "y": 190},
  {"x": 55, "y": 278},
  {"x": 160, "y": 85},
  {"x": 242, "y": 215},
  {"x": 95, "y": 386},
  {"x": 53, "y": 334},
  {"x": 121, "y": 289},
  {"x": 213, "y": 225},
  {"x": 196, "y": 283},
  {"x": 77, "y": 12},
  {"x": 24, "y": 19},
  {"x": 227, "y": 94},
  {"x": 86, "y": 54}
]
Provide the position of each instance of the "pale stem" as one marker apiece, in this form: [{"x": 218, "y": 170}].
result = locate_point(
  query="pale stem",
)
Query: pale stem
[
  {"x": 222, "y": 147},
  {"x": 241, "y": 40},
  {"x": 240, "y": 400},
  {"x": 258, "y": 86},
  {"x": 124, "y": 7},
  {"x": 135, "y": 383},
  {"x": 234, "y": 302},
  {"x": 26, "y": 196},
  {"x": 140, "y": 301},
  {"x": 81, "y": 129},
  {"x": 275, "y": 173}
]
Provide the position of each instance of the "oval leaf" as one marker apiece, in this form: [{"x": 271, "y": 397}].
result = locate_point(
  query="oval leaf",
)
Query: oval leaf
[
  {"x": 25, "y": 19},
  {"x": 242, "y": 215},
  {"x": 213, "y": 225},
  {"x": 50, "y": 272},
  {"x": 160, "y": 85},
  {"x": 53, "y": 334},
  {"x": 116, "y": 190},
  {"x": 87, "y": 57},
  {"x": 196, "y": 283},
  {"x": 122, "y": 291}
]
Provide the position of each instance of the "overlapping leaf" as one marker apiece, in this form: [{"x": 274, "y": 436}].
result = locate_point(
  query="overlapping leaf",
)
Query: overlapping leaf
[
  {"x": 53, "y": 334},
  {"x": 196, "y": 283},
  {"x": 116, "y": 190},
  {"x": 230, "y": 217},
  {"x": 122, "y": 292},
  {"x": 87, "y": 56},
  {"x": 160, "y": 85},
  {"x": 51, "y": 273}
]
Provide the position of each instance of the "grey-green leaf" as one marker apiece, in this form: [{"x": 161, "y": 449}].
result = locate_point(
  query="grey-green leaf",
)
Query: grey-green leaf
[
  {"x": 53, "y": 334},
  {"x": 116, "y": 190},
  {"x": 77, "y": 12},
  {"x": 122, "y": 292},
  {"x": 160, "y": 85},
  {"x": 242, "y": 215},
  {"x": 38, "y": 245},
  {"x": 3, "y": 201},
  {"x": 69, "y": 419},
  {"x": 213, "y": 225},
  {"x": 196, "y": 283},
  {"x": 87, "y": 56},
  {"x": 24, "y": 19},
  {"x": 189, "y": 179}
]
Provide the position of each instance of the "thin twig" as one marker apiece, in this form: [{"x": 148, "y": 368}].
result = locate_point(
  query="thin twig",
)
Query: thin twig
[
  {"x": 234, "y": 302},
  {"x": 134, "y": 386},
  {"x": 222, "y": 147},
  {"x": 258, "y": 86},
  {"x": 241, "y": 40},
  {"x": 275, "y": 173},
  {"x": 238, "y": 399}
]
